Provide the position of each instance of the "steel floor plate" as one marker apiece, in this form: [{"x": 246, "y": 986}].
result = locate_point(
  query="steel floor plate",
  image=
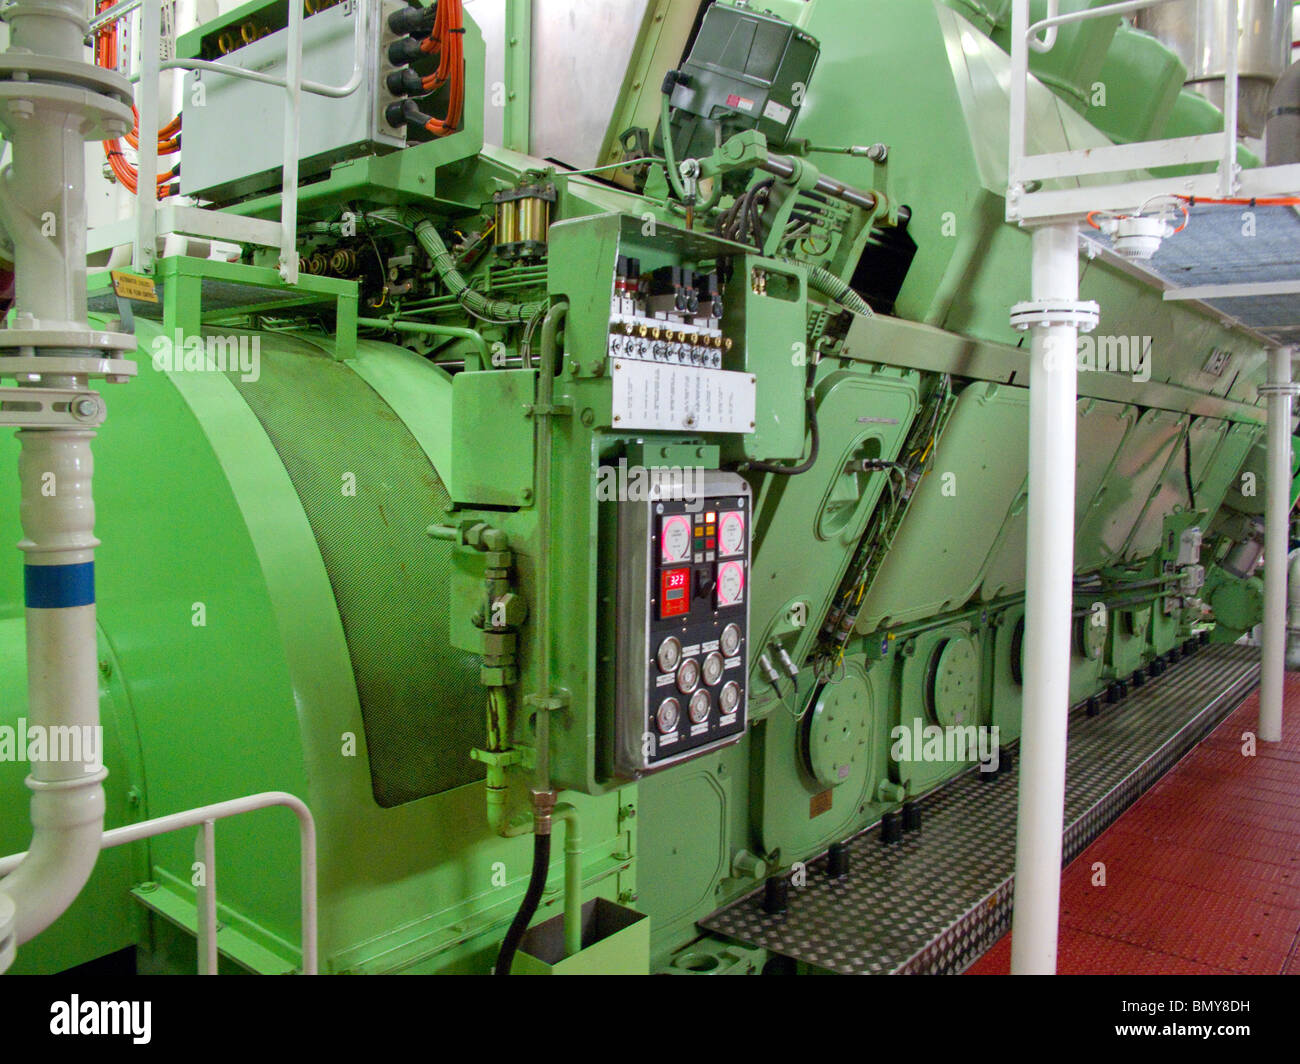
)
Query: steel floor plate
[{"x": 936, "y": 901}]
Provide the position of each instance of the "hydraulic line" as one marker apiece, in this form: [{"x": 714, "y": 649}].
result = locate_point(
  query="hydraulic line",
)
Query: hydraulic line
[
  {"x": 670, "y": 164},
  {"x": 814, "y": 449},
  {"x": 498, "y": 310},
  {"x": 825, "y": 282}
]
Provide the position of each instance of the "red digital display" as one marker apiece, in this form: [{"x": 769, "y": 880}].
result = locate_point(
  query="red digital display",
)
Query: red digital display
[{"x": 674, "y": 593}]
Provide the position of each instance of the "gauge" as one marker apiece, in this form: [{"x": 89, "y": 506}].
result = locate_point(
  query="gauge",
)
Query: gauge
[
  {"x": 700, "y": 706},
  {"x": 731, "y": 533},
  {"x": 730, "y": 640},
  {"x": 731, "y": 584},
  {"x": 675, "y": 538},
  {"x": 670, "y": 654},
  {"x": 713, "y": 668},
  {"x": 670, "y": 712},
  {"x": 729, "y": 699},
  {"x": 688, "y": 676}
]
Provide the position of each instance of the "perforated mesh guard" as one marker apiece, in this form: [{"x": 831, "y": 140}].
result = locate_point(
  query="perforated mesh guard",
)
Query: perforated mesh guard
[{"x": 418, "y": 694}]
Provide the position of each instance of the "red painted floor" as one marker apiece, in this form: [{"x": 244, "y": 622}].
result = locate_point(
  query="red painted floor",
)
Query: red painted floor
[{"x": 1202, "y": 873}]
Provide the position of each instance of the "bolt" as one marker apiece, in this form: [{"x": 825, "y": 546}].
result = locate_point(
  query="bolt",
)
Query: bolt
[
  {"x": 21, "y": 109},
  {"x": 86, "y": 408}
]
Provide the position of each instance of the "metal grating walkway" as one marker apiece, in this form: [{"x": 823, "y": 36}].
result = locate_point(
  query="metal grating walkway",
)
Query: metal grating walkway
[
  {"x": 936, "y": 901},
  {"x": 1202, "y": 873}
]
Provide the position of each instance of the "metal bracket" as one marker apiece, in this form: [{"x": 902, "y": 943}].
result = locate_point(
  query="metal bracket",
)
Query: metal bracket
[
  {"x": 50, "y": 408},
  {"x": 1044, "y": 313}
]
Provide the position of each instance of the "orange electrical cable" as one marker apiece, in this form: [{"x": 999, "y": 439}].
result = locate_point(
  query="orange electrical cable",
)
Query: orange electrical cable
[
  {"x": 447, "y": 41},
  {"x": 1275, "y": 201},
  {"x": 168, "y": 137}
]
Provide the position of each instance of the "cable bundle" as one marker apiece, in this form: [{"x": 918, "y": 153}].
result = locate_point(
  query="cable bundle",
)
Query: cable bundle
[
  {"x": 447, "y": 42},
  {"x": 169, "y": 141}
]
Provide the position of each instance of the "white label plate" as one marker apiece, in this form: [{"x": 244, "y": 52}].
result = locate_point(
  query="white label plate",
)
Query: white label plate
[{"x": 651, "y": 395}]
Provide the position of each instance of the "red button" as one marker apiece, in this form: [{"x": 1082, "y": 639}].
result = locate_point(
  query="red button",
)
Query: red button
[{"x": 710, "y": 544}]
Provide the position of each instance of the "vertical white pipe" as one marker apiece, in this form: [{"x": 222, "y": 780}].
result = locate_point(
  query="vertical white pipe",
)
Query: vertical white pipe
[
  {"x": 44, "y": 207},
  {"x": 146, "y": 235},
  {"x": 58, "y": 518},
  {"x": 1277, "y": 521},
  {"x": 1049, "y": 591},
  {"x": 1231, "y": 89},
  {"x": 1019, "y": 89},
  {"x": 292, "y": 133},
  {"x": 205, "y": 851}
]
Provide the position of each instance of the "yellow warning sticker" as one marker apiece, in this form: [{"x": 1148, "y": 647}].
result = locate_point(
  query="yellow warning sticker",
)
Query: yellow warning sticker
[{"x": 131, "y": 286}]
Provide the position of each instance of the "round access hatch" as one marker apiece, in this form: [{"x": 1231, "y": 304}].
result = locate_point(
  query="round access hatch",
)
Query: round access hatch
[
  {"x": 954, "y": 682},
  {"x": 837, "y": 732},
  {"x": 1092, "y": 635}
]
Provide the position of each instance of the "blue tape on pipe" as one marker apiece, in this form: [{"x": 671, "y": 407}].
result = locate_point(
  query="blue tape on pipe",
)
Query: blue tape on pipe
[{"x": 57, "y": 587}]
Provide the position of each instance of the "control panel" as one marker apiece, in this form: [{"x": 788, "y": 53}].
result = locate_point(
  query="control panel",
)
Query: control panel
[
  {"x": 683, "y": 613},
  {"x": 671, "y": 365}
]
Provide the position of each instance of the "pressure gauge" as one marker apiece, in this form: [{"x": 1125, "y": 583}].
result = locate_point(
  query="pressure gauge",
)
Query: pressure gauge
[
  {"x": 700, "y": 706},
  {"x": 670, "y": 712},
  {"x": 670, "y": 654},
  {"x": 675, "y": 538},
  {"x": 731, "y": 533},
  {"x": 688, "y": 676},
  {"x": 731, "y": 584},
  {"x": 729, "y": 699},
  {"x": 713, "y": 668},
  {"x": 730, "y": 640}
]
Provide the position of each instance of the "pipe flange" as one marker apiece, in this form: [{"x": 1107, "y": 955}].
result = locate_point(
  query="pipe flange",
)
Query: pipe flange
[
  {"x": 103, "y": 117},
  {"x": 95, "y": 339},
  {"x": 52, "y": 69},
  {"x": 112, "y": 370},
  {"x": 1278, "y": 389},
  {"x": 8, "y": 932},
  {"x": 1045, "y": 313}
]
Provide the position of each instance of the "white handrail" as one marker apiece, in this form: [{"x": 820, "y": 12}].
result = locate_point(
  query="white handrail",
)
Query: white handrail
[
  {"x": 315, "y": 87},
  {"x": 208, "y": 814},
  {"x": 1055, "y": 19},
  {"x": 1027, "y": 203},
  {"x": 144, "y": 250}
]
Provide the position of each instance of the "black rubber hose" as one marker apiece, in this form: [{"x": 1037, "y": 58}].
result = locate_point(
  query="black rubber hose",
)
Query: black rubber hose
[
  {"x": 813, "y": 449},
  {"x": 528, "y": 908},
  {"x": 1187, "y": 468}
]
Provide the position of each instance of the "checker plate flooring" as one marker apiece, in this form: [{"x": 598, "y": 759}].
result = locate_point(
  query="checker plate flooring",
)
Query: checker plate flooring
[
  {"x": 936, "y": 901},
  {"x": 1202, "y": 872}
]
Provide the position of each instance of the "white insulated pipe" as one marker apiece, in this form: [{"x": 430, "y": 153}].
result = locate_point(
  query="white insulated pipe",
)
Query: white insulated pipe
[
  {"x": 44, "y": 207},
  {"x": 1277, "y": 524},
  {"x": 67, "y": 808},
  {"x": 1049, "y": 602}
]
